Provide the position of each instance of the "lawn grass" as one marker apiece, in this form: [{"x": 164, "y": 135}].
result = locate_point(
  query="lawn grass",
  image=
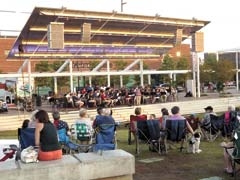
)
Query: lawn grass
[{"x": 175, "y": 165}]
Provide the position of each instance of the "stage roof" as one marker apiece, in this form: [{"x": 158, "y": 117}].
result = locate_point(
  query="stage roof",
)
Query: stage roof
[{"x": 112, "y": 35}]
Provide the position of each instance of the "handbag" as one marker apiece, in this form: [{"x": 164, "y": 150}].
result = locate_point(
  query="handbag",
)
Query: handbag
[{"x": 29, "y": 155}]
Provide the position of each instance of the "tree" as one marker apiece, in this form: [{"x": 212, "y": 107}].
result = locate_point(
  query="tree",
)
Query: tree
[
  {"x": 182, "y": 64},
  {"x": 168, "y": 63},
  {"x": 217, "y": 71},
  {"x": 224, "y": 71},
  {"x": 43, "y": 66}
]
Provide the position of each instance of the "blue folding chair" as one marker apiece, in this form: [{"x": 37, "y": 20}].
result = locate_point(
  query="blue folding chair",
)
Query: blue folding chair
[
  {"x": 26, "y": 137},
  {"x": 105, "y": 137},
  {"x": 176, "y": 131}
]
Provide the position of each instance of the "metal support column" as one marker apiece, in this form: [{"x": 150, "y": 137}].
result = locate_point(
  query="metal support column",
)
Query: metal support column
[
  {"x": 194, "y": 66},
  {"x": 108, "y": 73},
  {"x": 141, "y": 72},
  {"x": 55, "y": 85},
  {"x": 29, "y": 79},
  {"x": 198, "y": 78},
  {"x": 71, "y": 76},
  {"x": 121, "y": 81},
  {"x": 237, "y": 77},
  {"x": 149, "y": 79},
  {"x": 90, "y": 81}
]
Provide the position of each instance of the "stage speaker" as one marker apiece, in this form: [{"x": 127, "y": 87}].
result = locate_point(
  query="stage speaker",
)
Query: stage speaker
[
  {"x": 178, "y": 36},
  {"x": 198, "y": 42},
  {"x": 55, "y": 35},
  {"x": 86, "y": 33}
]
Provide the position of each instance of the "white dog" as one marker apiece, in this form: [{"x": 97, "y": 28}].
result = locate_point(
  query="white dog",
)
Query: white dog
[{"x": 194, "y": 143}]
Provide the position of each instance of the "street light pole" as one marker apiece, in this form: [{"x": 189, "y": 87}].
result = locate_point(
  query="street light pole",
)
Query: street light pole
[{"x": 122, "y": 4}]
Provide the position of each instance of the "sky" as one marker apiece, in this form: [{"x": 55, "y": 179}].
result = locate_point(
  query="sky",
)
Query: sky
[{"x": 222, "y": 33}]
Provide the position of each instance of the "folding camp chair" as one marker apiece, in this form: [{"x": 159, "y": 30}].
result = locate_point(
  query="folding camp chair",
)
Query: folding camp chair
[
  {"x": 68, "y": 146},
  {"x": 148, "y": 132},
  {"x": 105, "y": 137},
  {"x": 235, "y": 162},
  {"x": 157, "y": 137},
  {"x": 82, "y": 134},
  {"x": 134, "y": 118},
  {"x": 26, "y": 137},
  {"x": 176, "y": 131},
  {"x": 212, "y": 129}
]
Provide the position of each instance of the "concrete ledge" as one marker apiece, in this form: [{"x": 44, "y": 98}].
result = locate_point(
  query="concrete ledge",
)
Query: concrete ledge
[
  {"x": 116, "y": 164},
  {"x": 110, "y": 164}
]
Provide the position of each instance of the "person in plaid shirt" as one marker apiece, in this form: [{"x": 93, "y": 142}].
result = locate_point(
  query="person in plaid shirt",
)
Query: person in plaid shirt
[{"x": 59, "y": 124}]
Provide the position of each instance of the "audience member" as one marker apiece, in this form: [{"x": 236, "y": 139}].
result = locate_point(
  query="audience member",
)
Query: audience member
[
  {"x": 163, "y": 118},
  {"x": 33, "y": 121},
  {"x": 60, "y": 124},
  {"x": 25, "y": 123},
  {"x": 104, "y": 118},
  {"x": 46, "y": 138},
  {"x": 84, "y": 119}
]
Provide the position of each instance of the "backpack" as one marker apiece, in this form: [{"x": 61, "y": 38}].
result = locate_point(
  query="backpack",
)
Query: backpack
[{"x": 236, "y": 143}]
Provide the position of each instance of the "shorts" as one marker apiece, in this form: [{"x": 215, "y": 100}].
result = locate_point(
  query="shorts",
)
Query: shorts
[{"x": 49, "y": 155}]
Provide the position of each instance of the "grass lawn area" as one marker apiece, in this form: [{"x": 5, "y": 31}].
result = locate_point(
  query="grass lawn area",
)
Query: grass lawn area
[{"x": 174, "y": 165}]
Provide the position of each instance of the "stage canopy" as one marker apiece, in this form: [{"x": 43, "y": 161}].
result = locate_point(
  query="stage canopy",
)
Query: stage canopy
[{"x": 62, "y": 33}]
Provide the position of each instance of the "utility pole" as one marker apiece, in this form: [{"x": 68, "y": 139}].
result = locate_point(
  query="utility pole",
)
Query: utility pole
[{"x": 122, "y": 4}]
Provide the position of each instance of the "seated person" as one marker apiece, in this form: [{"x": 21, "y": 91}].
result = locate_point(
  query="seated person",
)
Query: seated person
[
  {"x": 59, "y": 124},
  {"x": 46, "y": 138},
  {"x": 137, "y": 117},
  {"x": 152, "y": 116},
  {"x": 25, "y": 123},
  {"x": 33, "y": 120},
  {"x": 104, "y": 118},
  {"x": 85, "y": 120},
  {"x": 176, "y": 116},
  {"x": 163, "y": 118},
  {"x": 189, "y": 94}
]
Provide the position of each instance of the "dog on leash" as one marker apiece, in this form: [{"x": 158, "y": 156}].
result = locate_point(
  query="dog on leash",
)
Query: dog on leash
[{"x": 194, "y": 143}]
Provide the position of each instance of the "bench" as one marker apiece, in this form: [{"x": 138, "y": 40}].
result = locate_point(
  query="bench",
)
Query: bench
[{"x": 113, "y": 164}]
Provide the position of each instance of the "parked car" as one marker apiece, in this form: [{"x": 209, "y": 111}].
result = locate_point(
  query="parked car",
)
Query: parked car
[
  {"x": 180, "y": 89},
  {"x": 3, "y": 106}
]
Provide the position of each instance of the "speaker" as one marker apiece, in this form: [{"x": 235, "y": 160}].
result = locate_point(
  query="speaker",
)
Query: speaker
[
  {"x": 178, "y": 36},
  {"x": 86, "y": 33},
  {"x": 198, "y": 42},
  {"x": 55, "y": 35}
]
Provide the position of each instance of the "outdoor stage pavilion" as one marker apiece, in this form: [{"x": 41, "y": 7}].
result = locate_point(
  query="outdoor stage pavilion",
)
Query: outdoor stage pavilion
[{"x": 72, "y": 35}]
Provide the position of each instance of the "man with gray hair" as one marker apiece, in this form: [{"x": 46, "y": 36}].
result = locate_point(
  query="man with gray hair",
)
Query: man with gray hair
[{"x": 59, "y": 124}]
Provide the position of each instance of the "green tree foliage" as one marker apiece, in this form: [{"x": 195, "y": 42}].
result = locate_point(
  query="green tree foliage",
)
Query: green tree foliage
[
  {"x": 216, "y": 71},
  {"x": 46, "y": 66},
  {"x": 168, "y": 63},
  {"x": 43, "y": 66},
  {"x": 224, "y": 71},
  {"x": 182, "y": 64}
]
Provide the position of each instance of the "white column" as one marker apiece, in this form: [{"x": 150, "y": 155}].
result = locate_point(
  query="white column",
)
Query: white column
[
  {"x": 71, "y": 76},
  {"x": 141, "y": 72},
  {"x": 90, "y": 81},
  {"x": 198, "y": 78},
  {"x": 108, "y": 74},
  {"x": 121, "y": 81},
  {"x": 237, "y": 78},
  {"x": 194, "y": 73},
  {"x": 149, "y": 79},
  {"x": 29, "y": 79},
  {"x": 55, "y": 85},
  {"x": 174, "y": 77}
]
